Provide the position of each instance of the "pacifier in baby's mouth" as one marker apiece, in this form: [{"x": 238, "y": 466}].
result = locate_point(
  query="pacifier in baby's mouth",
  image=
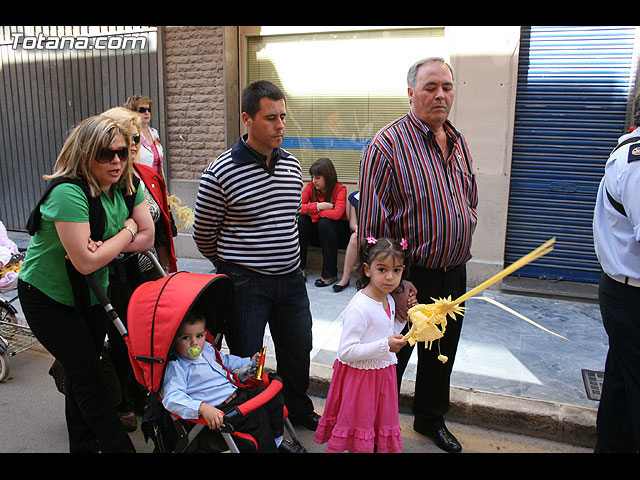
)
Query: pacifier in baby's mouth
[{"x": 193, "y": 352}]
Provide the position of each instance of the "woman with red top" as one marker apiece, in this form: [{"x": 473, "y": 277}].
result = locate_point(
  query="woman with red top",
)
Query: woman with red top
[{"x": 323, "y": 219}]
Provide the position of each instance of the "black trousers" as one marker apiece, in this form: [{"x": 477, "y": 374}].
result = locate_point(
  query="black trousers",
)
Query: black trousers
[
  {"x": 431, "y": 397},
  {"x": 265, "y": 423},
  {"x": 75, "y": 341},
  {"x": 618, "y": 420},
  {"x": 329, "y": 235}
]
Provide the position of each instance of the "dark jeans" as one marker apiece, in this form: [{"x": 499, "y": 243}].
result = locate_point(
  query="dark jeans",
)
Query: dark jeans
[
  {"x": 431, "y": 398},
  {"x": 75, "y": 341},
  {"x": 327, "y": 234},
  {"x": 280, "y": 301},
  {"x": 618, "y": 420}
]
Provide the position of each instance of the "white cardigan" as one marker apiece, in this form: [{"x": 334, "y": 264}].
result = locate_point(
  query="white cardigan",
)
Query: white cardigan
[{"x": 366, "y": 326}]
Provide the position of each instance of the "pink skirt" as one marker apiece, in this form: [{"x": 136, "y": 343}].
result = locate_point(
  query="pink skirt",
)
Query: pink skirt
[{"x": 361, "y": 411}]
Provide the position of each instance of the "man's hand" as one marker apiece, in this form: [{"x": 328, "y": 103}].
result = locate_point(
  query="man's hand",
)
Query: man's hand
[{"x": 405, "y": 298}]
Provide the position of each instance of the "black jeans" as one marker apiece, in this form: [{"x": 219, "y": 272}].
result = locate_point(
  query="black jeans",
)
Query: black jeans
[
  {"x": 75, "y": 341},
  {"x": 431, "y": 398},
  {"x": 327, "y": 234},
  {"x": 618, "y": 420},
  {"x": 282, "y": 302},
  {"x": 264, "y": 424}
]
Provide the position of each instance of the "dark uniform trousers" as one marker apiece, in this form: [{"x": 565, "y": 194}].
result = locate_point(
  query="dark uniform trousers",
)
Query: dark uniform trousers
[{"x": 618, "y": 420}]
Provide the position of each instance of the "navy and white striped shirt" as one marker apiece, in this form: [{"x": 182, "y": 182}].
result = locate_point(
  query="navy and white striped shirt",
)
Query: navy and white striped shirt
[
  {"x": 246, "y": 212},
  {"x": 408, "y": 191}
]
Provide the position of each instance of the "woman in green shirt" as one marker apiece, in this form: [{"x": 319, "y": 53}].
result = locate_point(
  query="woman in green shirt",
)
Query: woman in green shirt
[{"x": 67, "y": 320}]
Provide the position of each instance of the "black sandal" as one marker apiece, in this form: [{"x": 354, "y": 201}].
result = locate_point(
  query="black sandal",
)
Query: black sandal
[
  {"x": 338, "y": 288},
  {"x": 322, "y": 283}
]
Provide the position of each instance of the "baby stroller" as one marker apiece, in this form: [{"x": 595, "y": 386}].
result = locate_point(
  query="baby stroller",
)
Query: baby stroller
[{"x": 156, "y": 310}]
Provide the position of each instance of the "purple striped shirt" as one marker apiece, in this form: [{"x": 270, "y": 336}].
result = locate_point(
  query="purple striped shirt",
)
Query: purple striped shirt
[{"x": 408, "y": 191}]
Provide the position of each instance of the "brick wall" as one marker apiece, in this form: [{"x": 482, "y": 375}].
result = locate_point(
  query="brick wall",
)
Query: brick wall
[{"x": 194, "y": 63}]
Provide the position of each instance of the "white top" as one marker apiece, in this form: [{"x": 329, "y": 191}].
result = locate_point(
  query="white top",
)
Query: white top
[
  {"x": 366, "y": 326},
  {"x": 616, "y": 237},
  {"x": 146, "y": 152}
]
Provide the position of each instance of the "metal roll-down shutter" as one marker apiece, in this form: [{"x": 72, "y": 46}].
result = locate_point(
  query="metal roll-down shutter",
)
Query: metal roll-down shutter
[{"x": 574, "y": 90}]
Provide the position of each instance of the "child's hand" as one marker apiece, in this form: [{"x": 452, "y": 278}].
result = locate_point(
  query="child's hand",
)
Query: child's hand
[
  {"x": 396, "y": 343},
  {"x": 213, "y": 416}
]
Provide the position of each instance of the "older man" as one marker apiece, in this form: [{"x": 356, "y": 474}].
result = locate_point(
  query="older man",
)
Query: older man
[{"x": 417, "y": 183}]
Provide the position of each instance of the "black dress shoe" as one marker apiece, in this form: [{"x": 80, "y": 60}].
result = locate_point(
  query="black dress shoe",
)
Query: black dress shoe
[
  {"x": 309, "y": 421},
  {"x": 444, "y": 439},
  {"x": 289, "y": 447}
]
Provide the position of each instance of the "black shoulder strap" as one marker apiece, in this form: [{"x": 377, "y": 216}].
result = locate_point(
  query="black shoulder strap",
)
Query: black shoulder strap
[
  {"x": 130, "y": 199},
  {"x": 631, "y": 158},
  {"x": 96, "y": 212},
  {"x": 617, "y": 205},
  {"x": 626, "y": 142}
]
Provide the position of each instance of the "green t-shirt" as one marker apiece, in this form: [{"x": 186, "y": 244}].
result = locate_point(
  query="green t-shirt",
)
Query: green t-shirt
[{"x": 44, "y": 264}]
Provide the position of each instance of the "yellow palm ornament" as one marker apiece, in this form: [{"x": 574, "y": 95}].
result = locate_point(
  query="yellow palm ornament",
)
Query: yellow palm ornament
[
  {"x": 183, "y": 214},
  {"x": 429, "y": 322}
]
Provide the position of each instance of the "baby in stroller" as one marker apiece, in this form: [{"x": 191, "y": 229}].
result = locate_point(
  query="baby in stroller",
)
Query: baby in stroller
[
  {"x": 169, "y": 320},
  {"x": 198, "y": 382}
]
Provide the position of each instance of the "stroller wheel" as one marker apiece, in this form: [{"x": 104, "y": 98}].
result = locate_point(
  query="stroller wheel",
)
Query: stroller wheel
[{"x": 4, "y": 367}]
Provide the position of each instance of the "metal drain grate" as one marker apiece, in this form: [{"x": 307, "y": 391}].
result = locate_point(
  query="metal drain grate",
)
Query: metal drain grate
[{"x": 593, "y": 383}]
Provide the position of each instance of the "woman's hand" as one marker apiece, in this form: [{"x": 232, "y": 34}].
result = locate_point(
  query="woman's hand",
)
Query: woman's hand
[
  {"x": 93, "y": 246},
  {"x": 142, "y": 224},
  {"x": 324, "y": 206}
]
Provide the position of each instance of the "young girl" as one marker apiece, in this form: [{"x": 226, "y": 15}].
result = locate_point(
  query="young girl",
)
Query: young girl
[{"x": 361, "y": 412}]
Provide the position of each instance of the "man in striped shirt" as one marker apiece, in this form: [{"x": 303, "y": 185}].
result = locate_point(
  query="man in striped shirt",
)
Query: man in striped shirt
[
  {"x": 417, "y": 183},
  {"x": 246, "y": 223}
]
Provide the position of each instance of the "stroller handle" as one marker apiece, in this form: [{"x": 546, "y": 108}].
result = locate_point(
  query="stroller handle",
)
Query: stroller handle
[
  {"x": 106, "y": 304},
  {"x": 101, "y": 295}
]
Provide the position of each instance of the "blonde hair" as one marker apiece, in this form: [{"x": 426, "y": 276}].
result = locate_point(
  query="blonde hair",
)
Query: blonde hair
[
  {"x": 127, "y": 118},
  {"x": 82, "y": 147}
]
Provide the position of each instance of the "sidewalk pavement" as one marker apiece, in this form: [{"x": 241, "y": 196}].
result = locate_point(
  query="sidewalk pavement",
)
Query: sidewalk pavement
[{"x": 508, "y": 375}]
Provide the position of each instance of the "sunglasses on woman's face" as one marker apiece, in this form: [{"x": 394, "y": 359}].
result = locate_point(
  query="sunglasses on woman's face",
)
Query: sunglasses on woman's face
[
  {"x": 136, "y": 138},
  {"x": 107, "y": 155},
  {"x": 144, "y": 109}
]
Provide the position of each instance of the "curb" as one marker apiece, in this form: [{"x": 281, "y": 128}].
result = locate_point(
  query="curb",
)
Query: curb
[{"x": 555, "y": 421}]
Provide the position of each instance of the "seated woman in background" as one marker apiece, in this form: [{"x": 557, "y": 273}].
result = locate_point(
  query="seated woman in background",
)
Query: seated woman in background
[
  {"x": 323, "y": 219},
  {"x": 351, "y": 254}
]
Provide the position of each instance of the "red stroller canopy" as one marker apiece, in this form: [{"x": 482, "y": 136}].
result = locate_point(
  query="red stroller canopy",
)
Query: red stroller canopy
[{"x": 156, "y": 310}]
